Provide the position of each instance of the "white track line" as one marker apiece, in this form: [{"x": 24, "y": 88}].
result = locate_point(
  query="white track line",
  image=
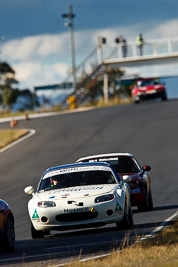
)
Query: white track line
[
  {"x": 155, "y": 231},
  {"x": 102, "y": 255},
  {"x": 30, "y": 133}
]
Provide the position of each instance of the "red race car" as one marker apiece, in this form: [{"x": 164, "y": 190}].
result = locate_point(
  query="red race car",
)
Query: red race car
[
  {"x": 148, "y": 89},
  {"x": 129, "y": 169},
  {"x": 7, "y": 231}
]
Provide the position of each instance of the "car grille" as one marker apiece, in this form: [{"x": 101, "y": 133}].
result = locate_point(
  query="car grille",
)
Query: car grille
[{"x": 78, "y": 216}]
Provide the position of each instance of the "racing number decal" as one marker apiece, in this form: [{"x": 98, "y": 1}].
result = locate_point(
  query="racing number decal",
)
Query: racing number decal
[{"x": 35, "y": 215}]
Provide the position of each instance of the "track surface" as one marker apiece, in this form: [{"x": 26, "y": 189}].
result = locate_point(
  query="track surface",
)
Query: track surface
[{"x": 148, "y": 130}]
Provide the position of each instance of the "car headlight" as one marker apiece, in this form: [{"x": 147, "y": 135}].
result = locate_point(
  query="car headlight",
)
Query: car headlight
[
  {"x": 46, "y": 204},
  {"x": 104, "y": 198}
]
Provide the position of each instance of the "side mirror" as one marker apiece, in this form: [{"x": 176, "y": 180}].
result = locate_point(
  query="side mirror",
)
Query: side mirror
[
  {"x": 29, "y": 190},
  {"x": 146, "y": 168},
  {"x": 127, "y": 178}
]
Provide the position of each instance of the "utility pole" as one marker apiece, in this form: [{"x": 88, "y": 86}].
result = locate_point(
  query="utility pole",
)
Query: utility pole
[
  {"x": 69, "y": 24},
  {"x": 2, "y": 39}
]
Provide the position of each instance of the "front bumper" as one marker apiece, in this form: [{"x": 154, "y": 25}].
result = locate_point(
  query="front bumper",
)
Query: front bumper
[
  {"x": 152, "y": 94},
  {"x": 136, "y": 196},
  {"x": 77, "y": 217}
]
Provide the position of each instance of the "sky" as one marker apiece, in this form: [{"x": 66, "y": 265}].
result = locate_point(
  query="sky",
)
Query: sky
[{"x": 36, "y": 44}]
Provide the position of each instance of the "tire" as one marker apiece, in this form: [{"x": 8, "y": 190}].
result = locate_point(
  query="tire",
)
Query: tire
[
  {"x": 9, "y": 236},
  {"x": 47, "y": 232},
  {"x": 136, "y": 101},
  {"x": 36, "y": 234},
  {"x": 164, "y": 97},
  {"x": 127, "y": 220},
  {"x": 144, "y": 205},
  {"x": 150, "y": 201},
  {"x": 131, "y": 222}
]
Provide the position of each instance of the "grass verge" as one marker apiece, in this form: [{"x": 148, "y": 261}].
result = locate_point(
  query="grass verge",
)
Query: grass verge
[
  {"x": 95, "y": 104},
  {"x": 162, "y": 250},
  {"x": 10, "y": 135}
]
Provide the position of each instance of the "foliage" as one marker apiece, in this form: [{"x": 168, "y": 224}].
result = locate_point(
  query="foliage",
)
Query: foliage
[
  {"x": 9, "y": 95},
  {"x": 6, "y": 68},
  {"x": 90, "y": 85}
]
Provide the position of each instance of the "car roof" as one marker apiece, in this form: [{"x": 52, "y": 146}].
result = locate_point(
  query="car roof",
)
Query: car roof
[
  {"x": 83, "y": 164},
  {"x": 105, "y": 155}
]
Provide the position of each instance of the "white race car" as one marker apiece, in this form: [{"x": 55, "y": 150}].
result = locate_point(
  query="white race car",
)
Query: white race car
[{"x": 79, "y": 195}]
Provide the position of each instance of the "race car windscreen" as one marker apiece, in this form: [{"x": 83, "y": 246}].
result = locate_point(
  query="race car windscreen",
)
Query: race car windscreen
[
  {"x": 120, "y": 164},
  {"x": 148, "y": 82},
  {"x": 73, "y": 179}
]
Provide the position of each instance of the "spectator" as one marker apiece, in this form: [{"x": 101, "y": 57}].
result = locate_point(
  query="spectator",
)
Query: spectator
[
  {"x": 140, "y": 42},
  {"x": 123, "y": 45}
]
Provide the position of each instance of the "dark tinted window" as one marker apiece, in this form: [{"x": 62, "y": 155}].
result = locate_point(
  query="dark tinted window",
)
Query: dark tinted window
[
  {"x": 123, "y": 164},
  {"x": 148, "y": 82}
]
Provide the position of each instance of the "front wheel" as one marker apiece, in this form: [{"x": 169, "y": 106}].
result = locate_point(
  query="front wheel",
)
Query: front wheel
[
  {"x": 164, "y": 97},
  {"x": 144, "y": 205},
  {"x": 127, "y": 220},
  {"x": 150, "y": 201},
  {"x": 136, "y": 101},
  {"x": 9, "y": 234},
  {"x": 36, "y": 234}
]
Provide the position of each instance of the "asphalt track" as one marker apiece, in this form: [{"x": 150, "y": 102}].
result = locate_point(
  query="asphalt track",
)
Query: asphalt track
[{"x": 148, "y": 130}]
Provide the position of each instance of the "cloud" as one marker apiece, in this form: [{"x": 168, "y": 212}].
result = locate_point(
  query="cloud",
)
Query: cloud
[
  {"x": 35, "y": 73},
  {"x": 35, "y": 47},
  {"x": 47, "y": 58},
  {"x": 167, "y": 29}
]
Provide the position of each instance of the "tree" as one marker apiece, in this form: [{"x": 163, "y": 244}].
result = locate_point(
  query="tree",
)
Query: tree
[
  {"x": 7, "y": 75},
  {"x": 8, "y": 95},
  {"x": 11, "y": 96},
  {"x": 92, "y": 83}
]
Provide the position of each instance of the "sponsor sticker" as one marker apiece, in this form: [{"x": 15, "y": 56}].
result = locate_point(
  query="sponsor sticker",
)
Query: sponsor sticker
[
  {"x": 75, "y": 210},
  {"x": 35, "y": 215},
  {"x": 135, "y": 191},
  {"x": 75, "y": 190},
  {"x": 92, "y": 209},
  {"x": 65, "y": 195},
  {"x": 118, "y": 208},
  {"x": 107, "y": 159},
  {"x": 76, "y": 169}
]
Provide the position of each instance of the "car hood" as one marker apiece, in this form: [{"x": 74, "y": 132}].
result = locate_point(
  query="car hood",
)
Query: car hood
[
  {"x": 77, "y": 192},
  {"x": 150, "y": 87}
]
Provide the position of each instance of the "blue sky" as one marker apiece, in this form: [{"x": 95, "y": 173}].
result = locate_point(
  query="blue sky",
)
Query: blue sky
[{"x": 37, "y": 43}]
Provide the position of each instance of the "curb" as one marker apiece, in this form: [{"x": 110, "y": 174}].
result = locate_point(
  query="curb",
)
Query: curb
[{"x": 44, "y": 114}]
